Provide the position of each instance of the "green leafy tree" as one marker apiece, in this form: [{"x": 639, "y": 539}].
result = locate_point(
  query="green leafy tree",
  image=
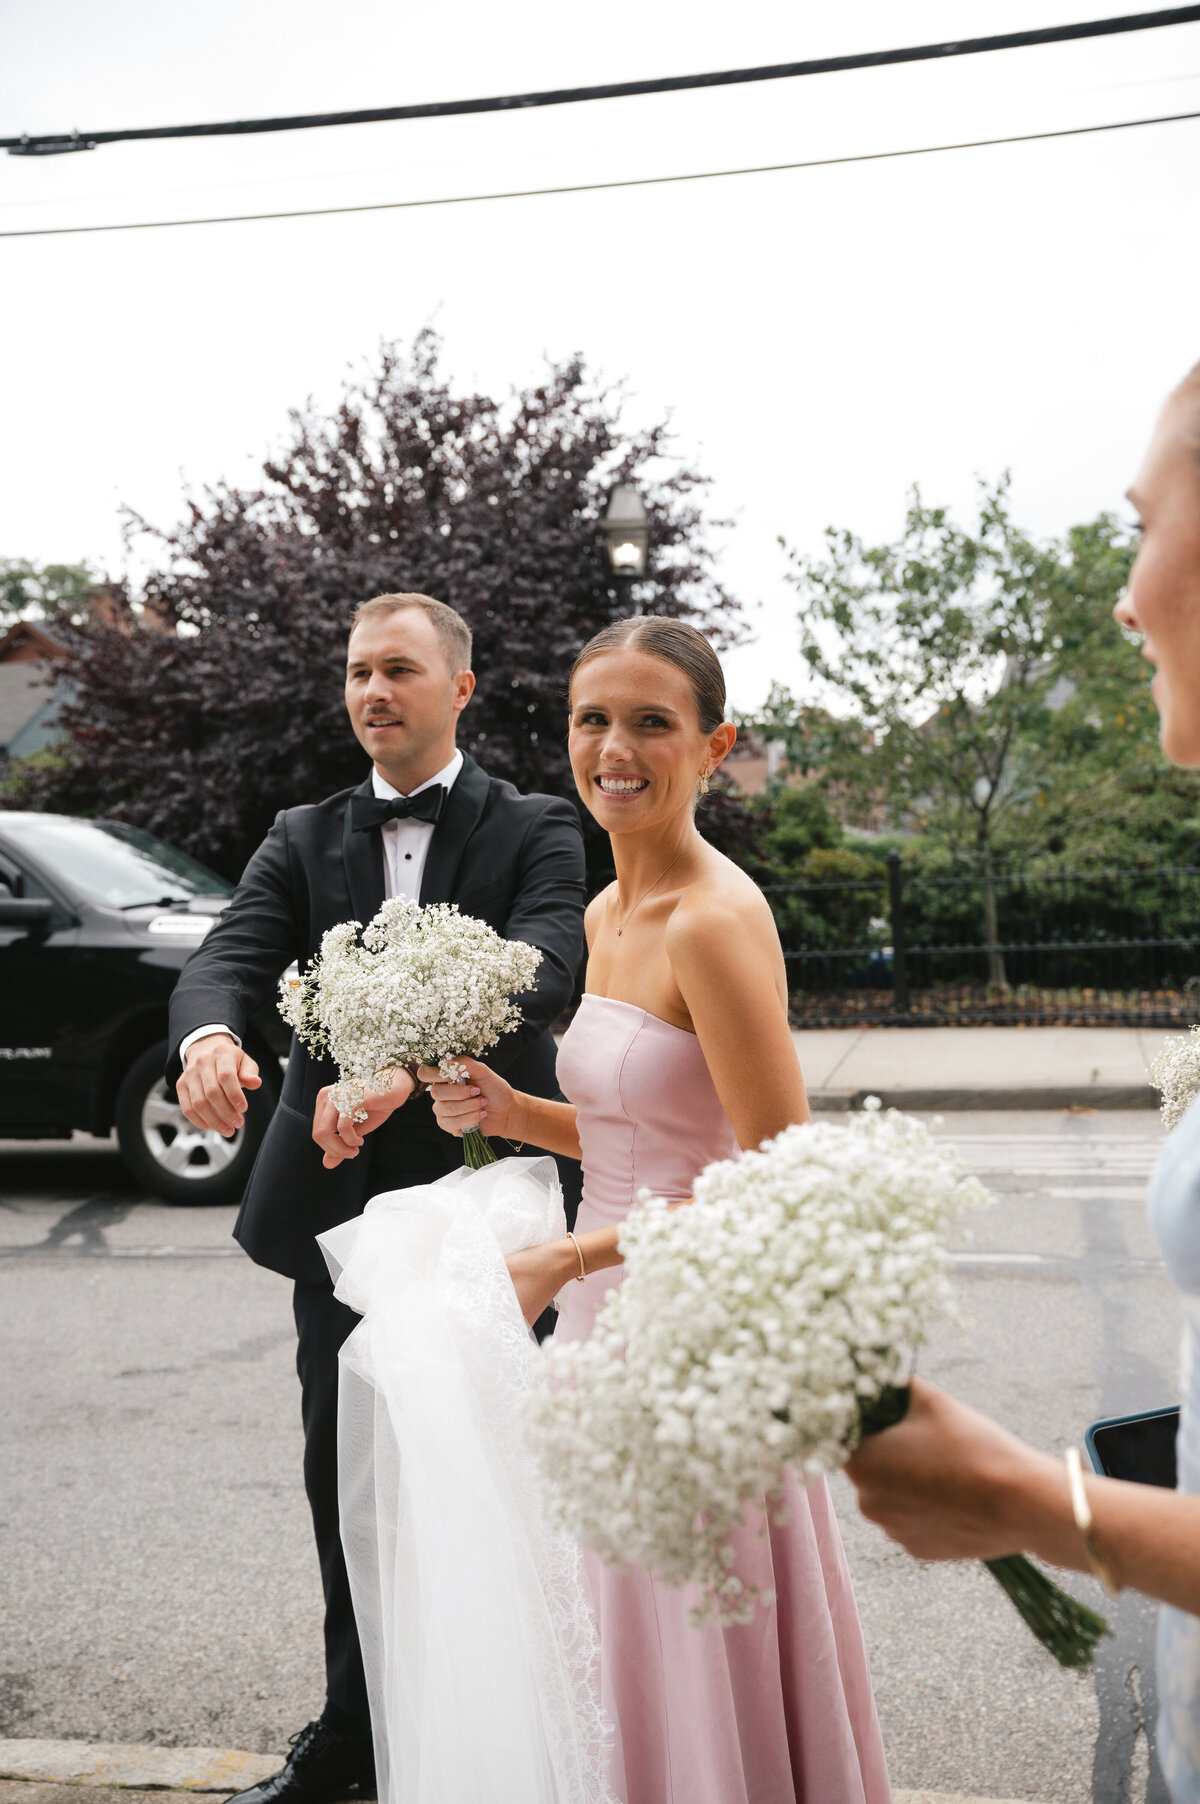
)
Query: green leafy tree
[
  {"x": 40, "y": 591},
  {"x": 823, "y": 893},
  {"x": 972, "y": 679},
  {"x": 813, "y": 737},
  {"x": 796, "y": 821}
]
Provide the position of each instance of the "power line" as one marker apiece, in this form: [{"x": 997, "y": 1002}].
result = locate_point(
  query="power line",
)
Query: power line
[
  {"x": 55, "y": 143},
  {"x": 644, "y": 181}
]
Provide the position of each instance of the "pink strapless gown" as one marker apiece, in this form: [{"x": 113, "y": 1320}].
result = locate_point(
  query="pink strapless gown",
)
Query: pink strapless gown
[{"x": 778, "y": 1710}]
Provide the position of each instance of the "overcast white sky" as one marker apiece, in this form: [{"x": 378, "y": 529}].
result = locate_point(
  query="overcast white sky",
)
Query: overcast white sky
[{"x": 822, "y": 338}]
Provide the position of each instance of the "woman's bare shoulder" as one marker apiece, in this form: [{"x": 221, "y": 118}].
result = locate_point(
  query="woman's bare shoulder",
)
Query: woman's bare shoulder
[
  {"x": 722, "y": 898},
  {"x": 594, "y": 912}
]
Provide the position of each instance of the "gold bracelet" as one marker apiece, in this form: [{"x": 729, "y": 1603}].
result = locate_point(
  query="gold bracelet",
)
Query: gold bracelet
[
  {"x": 581, "y": 1274},
  {"x": 1081, "y": 1509}
]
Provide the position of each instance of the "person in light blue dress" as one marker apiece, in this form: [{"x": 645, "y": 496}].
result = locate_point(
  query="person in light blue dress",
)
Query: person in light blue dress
[
  {"x": 1175, "y": 1214},
  {"x": 949, "y": 1484}
]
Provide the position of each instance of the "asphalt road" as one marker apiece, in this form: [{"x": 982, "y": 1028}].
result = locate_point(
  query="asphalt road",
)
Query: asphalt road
[{"x": 156, "y": 1577}]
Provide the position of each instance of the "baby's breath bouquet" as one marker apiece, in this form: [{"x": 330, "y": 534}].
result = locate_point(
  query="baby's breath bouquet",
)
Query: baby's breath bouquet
[
  {"x": 1175, "y": 1073},
  {"x": 768, "y": 1326},
  {"x": 417, "y": 985}
]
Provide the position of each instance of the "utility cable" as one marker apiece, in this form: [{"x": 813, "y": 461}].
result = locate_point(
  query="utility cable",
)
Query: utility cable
[
  {"x": 56, "y": 143},
  {"x": 645, "y": 181}
]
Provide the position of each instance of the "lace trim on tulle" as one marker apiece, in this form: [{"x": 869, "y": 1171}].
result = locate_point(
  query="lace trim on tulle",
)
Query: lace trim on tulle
[
  {"x": 510, "y": 1364},
  {"x": 434, "y": 1381}
]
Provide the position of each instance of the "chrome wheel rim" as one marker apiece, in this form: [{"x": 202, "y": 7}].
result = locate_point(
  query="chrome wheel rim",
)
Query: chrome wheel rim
[{"x": 187, "y": 1152}]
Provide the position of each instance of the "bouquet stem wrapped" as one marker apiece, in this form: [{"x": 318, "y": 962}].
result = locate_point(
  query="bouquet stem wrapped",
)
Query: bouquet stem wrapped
[{"x": 476, "y": 1151}]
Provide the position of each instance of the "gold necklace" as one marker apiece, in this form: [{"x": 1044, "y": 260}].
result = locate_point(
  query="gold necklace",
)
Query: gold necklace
[{"x": 646, "y": 892}]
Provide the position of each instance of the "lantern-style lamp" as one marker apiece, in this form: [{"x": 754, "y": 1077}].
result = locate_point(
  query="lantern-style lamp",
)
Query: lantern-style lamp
[{"x": 627, "y": 531}]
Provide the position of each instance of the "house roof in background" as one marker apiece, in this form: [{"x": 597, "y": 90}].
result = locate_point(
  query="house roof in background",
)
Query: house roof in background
[{"x": 27, "y": 642}]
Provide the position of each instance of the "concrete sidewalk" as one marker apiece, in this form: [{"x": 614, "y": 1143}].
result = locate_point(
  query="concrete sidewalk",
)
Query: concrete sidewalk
[{"x": 981, "y": 1067}]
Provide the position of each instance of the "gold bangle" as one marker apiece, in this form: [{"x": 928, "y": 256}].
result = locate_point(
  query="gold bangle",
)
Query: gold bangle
[
  {"x": 1081, "y": 1509},
  {"x": 581, "y": 1274}
]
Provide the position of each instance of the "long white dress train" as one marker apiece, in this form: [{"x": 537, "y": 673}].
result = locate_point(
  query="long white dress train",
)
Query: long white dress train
[{"x": 478, "y": 1640}]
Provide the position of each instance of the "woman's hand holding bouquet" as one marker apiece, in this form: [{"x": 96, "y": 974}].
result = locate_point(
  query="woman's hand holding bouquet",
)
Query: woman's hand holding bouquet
[
  {"x": 479, "y": 1099},
  {"x": 965, "y": 1502}
]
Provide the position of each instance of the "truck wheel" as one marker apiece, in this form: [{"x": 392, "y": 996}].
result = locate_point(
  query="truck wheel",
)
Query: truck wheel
[{"x": 170, "y": 1158}]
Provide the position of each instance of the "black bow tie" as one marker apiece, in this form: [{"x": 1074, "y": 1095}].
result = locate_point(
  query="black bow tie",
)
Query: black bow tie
[{"x": 376, "y": 811}]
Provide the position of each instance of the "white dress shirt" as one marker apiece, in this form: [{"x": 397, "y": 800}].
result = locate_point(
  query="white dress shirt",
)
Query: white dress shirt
[
  {"x": 405, "y": 849},
  {"x": 406, "y": 843}
]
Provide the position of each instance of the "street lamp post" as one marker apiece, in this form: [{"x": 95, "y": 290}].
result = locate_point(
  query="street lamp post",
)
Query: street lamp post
[{"x": 626, "y": 528}]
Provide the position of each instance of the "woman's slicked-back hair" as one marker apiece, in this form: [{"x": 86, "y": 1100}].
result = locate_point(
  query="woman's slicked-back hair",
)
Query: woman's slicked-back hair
[{"x": 675, "y": 642}]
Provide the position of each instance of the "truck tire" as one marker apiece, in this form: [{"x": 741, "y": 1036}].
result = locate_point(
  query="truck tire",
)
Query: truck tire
[{"x": 170, "y": 1158}]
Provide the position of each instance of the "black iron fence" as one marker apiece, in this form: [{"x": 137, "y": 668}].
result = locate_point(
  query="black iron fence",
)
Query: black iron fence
[{"x": 1056, "y": 946}]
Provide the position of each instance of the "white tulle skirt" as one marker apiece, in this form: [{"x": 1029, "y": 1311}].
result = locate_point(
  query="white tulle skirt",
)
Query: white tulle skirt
[{"x": 479, "y": 1644}]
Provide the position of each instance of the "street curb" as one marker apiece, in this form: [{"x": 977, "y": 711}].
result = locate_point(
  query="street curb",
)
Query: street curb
[
  {"x": 1036, "y": 1096},
  {"x": 135, "y": 1768},
  {"x": 220, "y": 1769}
]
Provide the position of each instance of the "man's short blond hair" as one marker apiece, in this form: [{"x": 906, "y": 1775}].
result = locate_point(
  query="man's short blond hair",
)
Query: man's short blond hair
[{"x": 451, "y": 628}]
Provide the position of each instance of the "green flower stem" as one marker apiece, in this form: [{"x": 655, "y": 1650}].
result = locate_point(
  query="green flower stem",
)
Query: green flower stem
[
  {"x": 476, "y": 1151},
  {"x": 1061, "y": 1623},
  {"x": 1067, "y": 1628}
]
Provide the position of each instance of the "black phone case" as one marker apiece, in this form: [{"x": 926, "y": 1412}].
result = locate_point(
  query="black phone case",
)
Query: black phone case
[{"x": 1140, "y": 1448}]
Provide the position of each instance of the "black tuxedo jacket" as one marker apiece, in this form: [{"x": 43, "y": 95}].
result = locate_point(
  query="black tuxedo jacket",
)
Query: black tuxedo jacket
[{"x": 515, "y": 861}]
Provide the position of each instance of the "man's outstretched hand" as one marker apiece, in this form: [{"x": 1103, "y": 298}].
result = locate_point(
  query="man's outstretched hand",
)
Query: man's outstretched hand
[
  {"x": 338, "y": 1136},
  {"x": 212, "y": 1088}
]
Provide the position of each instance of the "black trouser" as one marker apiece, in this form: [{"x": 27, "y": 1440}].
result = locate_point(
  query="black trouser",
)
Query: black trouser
[
  {"x": 322, "y": 1324},
  {"x": 398, "y": 1158}
]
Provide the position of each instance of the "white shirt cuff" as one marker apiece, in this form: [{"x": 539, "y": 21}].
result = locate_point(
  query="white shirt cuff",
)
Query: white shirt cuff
[{"x": 211, "y": 1027}]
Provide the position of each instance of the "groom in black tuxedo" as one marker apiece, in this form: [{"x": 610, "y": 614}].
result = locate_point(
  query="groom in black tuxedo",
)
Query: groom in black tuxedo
[{"x": 427, "y": 823}]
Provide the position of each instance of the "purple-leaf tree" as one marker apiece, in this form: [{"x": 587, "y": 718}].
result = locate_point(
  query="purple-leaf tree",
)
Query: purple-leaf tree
[{"x": 217, "y": 698}]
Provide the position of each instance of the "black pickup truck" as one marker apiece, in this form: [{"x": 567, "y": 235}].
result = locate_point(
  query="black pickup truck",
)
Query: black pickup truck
[{"x": 97, "y": 920}]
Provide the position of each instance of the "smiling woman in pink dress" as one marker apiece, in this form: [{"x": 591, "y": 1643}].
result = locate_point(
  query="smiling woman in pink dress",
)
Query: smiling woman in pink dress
[{"x": 681, "y": 1053}]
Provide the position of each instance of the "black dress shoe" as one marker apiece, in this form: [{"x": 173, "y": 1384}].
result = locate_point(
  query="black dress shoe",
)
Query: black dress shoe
[{"x": 322, "y": 1766}]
